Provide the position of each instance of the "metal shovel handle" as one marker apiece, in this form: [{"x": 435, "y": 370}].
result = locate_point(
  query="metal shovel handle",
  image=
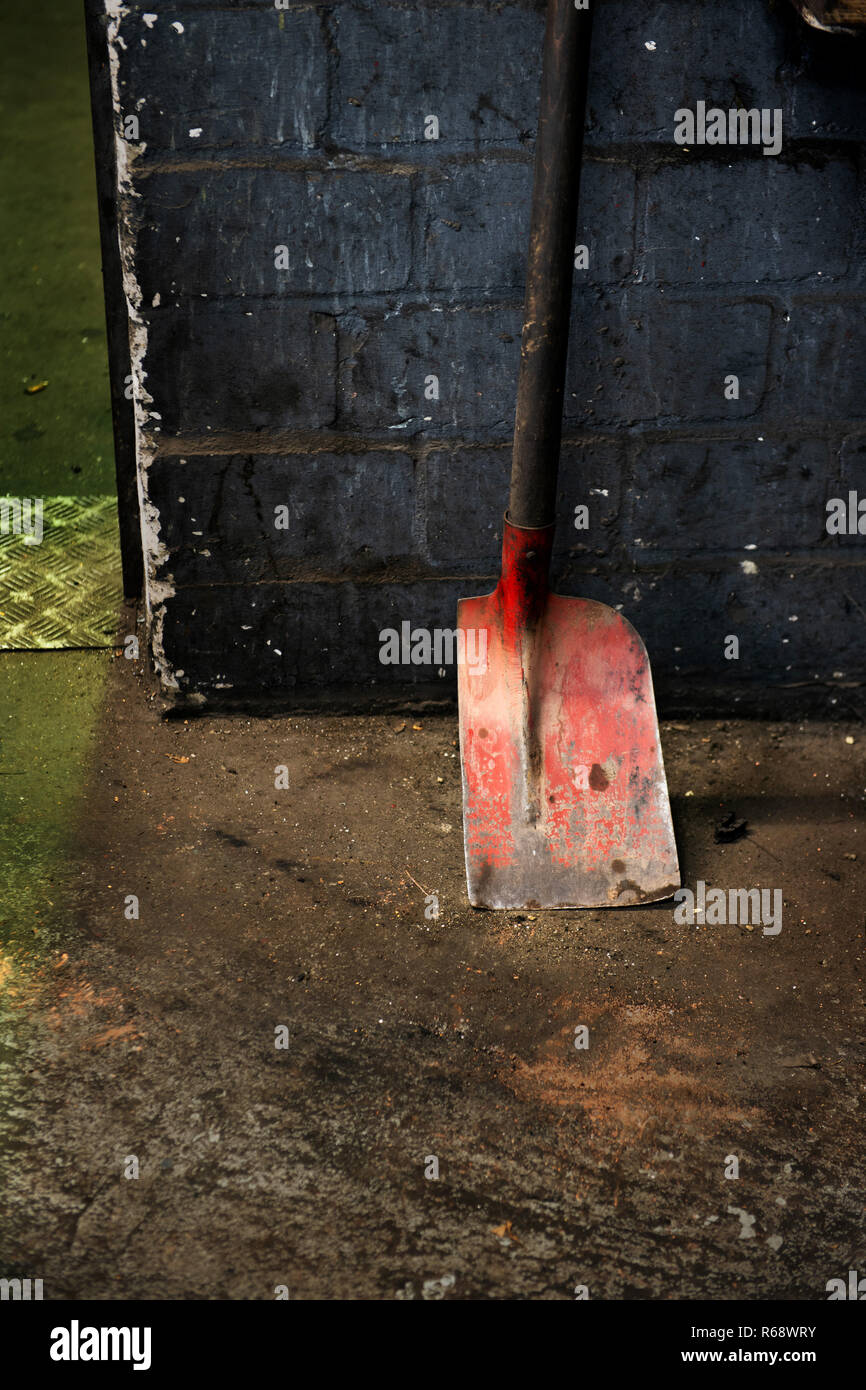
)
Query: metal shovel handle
[{"x": 550, "y": 265}]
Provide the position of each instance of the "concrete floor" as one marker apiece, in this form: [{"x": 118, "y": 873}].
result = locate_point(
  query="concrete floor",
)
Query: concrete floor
[{"x": 411, "y": 1036}]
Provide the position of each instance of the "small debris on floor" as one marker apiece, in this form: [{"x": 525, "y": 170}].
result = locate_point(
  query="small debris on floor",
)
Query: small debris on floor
[{"x": 731, "y": 827}]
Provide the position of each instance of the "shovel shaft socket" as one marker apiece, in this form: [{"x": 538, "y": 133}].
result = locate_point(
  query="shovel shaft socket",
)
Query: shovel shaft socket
[{"x": 525, "y": 579}]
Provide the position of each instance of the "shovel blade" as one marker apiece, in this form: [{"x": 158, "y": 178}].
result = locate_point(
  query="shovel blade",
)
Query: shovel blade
[{"x": 564, "y": 791}]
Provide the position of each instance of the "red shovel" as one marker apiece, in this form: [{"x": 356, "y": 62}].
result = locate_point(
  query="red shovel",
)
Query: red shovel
[{"x": 565, "y": 802}]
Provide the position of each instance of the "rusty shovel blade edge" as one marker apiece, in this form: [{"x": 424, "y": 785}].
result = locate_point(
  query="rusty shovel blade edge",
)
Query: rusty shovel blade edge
[{"x": 564, "y": 791}]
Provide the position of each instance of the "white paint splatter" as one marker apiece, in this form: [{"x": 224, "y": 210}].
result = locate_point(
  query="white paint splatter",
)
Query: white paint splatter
[
  {"x": 747, "y": 1222},
  {"x": 195, "y": 132},
  {"x": 158, "y": 590}
]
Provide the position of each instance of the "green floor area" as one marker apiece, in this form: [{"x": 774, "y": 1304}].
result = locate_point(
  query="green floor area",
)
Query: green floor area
[
  {"x": 49, "y": 713},
  {"x": 56, "y": 446},
  {"x": 52, "y": 317},
  {"x": 56, "y": 442}
]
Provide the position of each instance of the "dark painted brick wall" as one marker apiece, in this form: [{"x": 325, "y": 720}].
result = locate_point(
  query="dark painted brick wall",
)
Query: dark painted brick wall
[{"x": 304, "y": 387}]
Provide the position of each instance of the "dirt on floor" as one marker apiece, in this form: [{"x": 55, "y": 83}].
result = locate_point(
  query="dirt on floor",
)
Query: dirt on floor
[{"x": 305, "y": 1021}]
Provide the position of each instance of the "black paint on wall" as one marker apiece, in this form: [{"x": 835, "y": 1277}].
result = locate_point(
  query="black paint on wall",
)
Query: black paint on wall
[{"x": 304, "y": 387}]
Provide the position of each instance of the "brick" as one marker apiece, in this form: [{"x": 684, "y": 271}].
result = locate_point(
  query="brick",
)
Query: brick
[
  {"x": 475, "y": 68},
  {"x": 346, "y": 233},
  {"x": 591, "y": 474},
  {"x": 247, "y": 78},
  {"x": 823, "y": 351},
  {"x": 386, "y": 360},
  {"x": 685, "y": 613},
  {"x": 256, "y": 640},
  {"x": 648, "y": 356},
  {"x": 704, "y": 498},
  {"x": 465, "y": 495},
  {"x": 714, "y": 222},
  {"x": 476, "y": 225},
  {"x": 283, "y": 640},
  {"x": 348, "y": 514},
  {"x": 606, "y": 221},
  {"x": 218, "y": 367},
  {"x": 726, "y": 55}
]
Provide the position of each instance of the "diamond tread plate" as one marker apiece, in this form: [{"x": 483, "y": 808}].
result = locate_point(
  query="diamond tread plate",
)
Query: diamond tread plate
[{"x": 64, "y": 591}]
